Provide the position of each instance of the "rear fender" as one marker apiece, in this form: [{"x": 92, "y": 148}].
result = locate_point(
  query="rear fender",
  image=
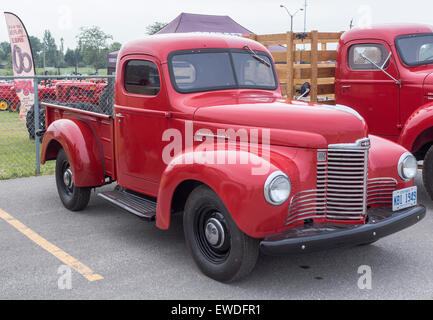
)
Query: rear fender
[{"x": 82, "y": 148}]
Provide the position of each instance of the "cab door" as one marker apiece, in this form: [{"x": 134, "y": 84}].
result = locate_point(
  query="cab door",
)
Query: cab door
[
  {"x": 141, "y": 117},
  {"x": 368, "y": 90}
]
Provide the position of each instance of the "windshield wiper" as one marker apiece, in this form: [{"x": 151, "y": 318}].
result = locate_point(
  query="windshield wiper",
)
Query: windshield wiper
[{"x": 255, "y": 56}]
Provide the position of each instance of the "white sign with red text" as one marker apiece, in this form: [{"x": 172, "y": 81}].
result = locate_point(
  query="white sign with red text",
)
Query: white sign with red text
[{"x": 22, "y": 62}]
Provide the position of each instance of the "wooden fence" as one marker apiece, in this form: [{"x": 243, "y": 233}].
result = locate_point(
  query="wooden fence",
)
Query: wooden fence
[{"x": 305, "y": 61}]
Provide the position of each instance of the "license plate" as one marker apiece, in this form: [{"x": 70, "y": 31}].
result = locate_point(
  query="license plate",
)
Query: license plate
[{"x": 404, "y": 198}]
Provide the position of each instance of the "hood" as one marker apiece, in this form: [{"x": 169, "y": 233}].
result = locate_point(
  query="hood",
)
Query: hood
[{"x": 291, "y": 123}]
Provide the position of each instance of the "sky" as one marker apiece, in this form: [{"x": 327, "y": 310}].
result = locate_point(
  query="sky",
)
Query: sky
[{"x": 127, "y": 19}]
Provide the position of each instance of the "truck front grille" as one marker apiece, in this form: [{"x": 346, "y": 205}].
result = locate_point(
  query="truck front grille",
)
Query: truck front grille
[
  {"x": 342, "y": 186},
  {"x": 380, "y": 191}
]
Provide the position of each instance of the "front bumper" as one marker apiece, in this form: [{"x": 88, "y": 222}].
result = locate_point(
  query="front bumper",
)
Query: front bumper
[{"x": 381, "y": 223}]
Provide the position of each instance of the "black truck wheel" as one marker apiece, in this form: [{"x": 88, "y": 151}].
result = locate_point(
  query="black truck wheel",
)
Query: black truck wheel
[
  {"x": 72, "y": 197},
  {"x": 106, "y": 102},
  {"x": 30, "y": 121},
  {"x": 219, "y": 248},
  {"x": 15, "y": 107},
  {"x": 4, "y": 105},
  {"x": 427, "y": 172}
]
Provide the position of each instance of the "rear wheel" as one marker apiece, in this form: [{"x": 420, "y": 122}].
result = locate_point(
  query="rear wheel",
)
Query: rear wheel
[
  {"x": 106, "y": 100},
  {"x": 15, "y": 107},
  {"x": 4, "y": 105},
  {"x": 30, "y": 121},
  {"x": 73, "y": 198},
  {"x": 219, "y": 248},
  {"x": 427, "y": 173}
]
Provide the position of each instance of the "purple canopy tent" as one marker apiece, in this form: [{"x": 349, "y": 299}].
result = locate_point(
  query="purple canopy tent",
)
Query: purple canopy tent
[{"x": 189, "y": 22}]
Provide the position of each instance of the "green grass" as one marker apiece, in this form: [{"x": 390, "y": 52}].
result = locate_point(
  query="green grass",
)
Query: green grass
[
  {"x": 17, "y": 151},
  {"x": 63, "y": 71}
]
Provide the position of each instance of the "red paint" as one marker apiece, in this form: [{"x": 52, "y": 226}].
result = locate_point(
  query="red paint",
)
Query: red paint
[
  {"x": 132, "y": 141},
  {"x": 402, "y": 114},
  {"x": 9, "y": 92}
]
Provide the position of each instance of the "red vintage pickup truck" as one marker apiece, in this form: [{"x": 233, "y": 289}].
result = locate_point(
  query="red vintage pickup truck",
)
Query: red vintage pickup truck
[
  {"x": 386, "y": 74},
  {"x": 200, "y": 128}
]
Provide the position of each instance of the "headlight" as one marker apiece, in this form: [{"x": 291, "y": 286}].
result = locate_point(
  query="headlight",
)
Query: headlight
[
  {"x": 277, "y": 188},
  {"x": 407, "y": 166}
]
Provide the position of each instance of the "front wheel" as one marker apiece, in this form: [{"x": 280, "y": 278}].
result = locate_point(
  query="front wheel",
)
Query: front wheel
[
  {"x": 427, "y": 172},
  {"x": 73, "y": 198},
  {"x": 219, "y": 248}
]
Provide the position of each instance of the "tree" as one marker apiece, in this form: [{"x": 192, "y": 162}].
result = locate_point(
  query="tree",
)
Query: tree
[
  {"x": 115, "y": 46},
  {"x": 50, "y": 49},
  {"x": 70, "y": 59},
  {"x": 155, "y": 27},
  {"x": 5, "y": 50},
  {"x": 37, "y": 50},
  {"x": 73, "y": 58},
  {"x": 94, "y": 47}
]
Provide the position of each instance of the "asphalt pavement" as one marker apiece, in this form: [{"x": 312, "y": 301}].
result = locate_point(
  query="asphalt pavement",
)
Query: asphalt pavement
[{"x": 138, "y": 261}]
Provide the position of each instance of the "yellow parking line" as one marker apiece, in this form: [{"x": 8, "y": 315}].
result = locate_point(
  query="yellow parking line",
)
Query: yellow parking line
[{"x": 85, "y": 271}]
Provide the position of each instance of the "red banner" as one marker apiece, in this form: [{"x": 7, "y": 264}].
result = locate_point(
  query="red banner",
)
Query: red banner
[{"x": 22, "y": 61}]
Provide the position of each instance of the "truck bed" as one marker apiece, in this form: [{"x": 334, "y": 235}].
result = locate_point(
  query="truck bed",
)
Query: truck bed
[{"x": 101, "y": 124}]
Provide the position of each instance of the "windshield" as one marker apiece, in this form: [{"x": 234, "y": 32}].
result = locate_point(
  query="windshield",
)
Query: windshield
[
  {"x": 206, "y": 70},
  {"x": 416, "y": 49}
]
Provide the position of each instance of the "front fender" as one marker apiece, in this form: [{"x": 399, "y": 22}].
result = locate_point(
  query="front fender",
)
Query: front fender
[
  {"x": 412, "y": 137},
  {"x": 383, "y": 160},
  {"x": 241, "y": 191},
  {"x": 82, "y": 148}
]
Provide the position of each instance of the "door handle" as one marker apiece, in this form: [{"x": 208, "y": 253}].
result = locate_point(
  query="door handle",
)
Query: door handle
[
  {"x": 346, "y": 87},
  {"x": 119, "y": 115}
]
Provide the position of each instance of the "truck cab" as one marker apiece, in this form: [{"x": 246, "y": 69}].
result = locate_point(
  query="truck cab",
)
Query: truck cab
[
  {"x": 200, "y": 128},
  {"x": 386, "y": 74}
]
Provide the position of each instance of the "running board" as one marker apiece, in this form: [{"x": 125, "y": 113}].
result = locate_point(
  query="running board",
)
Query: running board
[{"x": 131, "y": 203}]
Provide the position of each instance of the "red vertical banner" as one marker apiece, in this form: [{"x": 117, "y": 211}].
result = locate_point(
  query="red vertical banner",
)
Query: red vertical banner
[{"x": 22, "y": 62}]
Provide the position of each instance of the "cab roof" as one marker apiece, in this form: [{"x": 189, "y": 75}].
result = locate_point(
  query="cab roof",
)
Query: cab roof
[
  {"x": 387, "y": 32},
  {"x": 160, "y": 46}
]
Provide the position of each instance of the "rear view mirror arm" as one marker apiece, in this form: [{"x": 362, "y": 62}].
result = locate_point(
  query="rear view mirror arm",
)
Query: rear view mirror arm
[{"x": 397, "y": 82}]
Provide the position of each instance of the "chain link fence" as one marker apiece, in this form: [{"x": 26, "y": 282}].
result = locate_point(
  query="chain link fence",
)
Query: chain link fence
[{"x": 20, "y": 139}]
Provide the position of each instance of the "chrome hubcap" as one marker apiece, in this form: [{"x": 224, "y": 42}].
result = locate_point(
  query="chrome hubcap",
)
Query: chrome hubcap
[
  {"x": 214, "y": 233},
  {"x": 67, "y": 178}
]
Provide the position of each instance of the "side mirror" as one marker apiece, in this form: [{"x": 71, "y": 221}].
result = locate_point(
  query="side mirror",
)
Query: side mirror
[{"x": 304, "y": 91}]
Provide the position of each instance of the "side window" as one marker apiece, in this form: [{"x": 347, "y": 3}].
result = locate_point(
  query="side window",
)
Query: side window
[
  {"x": 375, "y": 52},
  {"x": 142, "y": 77}
]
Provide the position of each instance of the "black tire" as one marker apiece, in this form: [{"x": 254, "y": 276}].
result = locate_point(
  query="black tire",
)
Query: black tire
[
  {"x": 427, "y": 172},
  {"x": 15, "y": 108},
  {"x": 230, "y": 258},
  {"x": 86, "y": 106},
  {"x": 30, "y": 121},
  {"x": 106, "y": 100},
  {"x": 72, "y": 197}
]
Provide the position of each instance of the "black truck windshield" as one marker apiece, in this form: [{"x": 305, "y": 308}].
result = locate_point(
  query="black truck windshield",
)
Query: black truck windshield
[
  {"x": 416, "y": 49},
  {"x": 207, "y": 70}
]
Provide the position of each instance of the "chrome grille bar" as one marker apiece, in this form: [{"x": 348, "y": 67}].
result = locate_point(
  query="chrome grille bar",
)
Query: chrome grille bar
[{"x": 380, "y": 191}]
